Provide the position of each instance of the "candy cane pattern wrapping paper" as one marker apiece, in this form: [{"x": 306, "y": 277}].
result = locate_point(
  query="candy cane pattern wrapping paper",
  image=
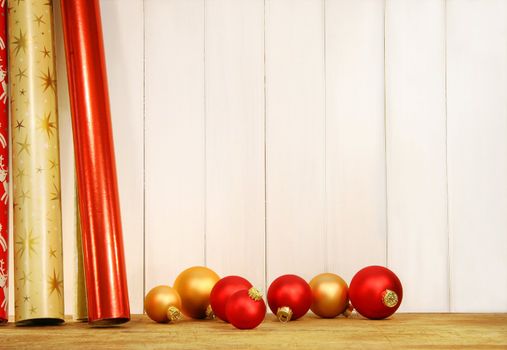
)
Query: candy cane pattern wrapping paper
[{"x": 4, "y": 167}]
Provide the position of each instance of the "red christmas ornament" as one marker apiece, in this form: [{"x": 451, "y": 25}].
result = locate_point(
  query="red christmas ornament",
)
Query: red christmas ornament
[
  {"x": 221, "y": 292},
  {"x": 245, "y": 309},
  {"x": 375, "y": 292},
  {"x": 289, "y": 297}
]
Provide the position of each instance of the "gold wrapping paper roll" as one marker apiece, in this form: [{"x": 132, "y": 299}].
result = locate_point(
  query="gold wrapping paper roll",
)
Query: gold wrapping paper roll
[
  {"x": 81, "y": 310},
  {"x": 38, "y": 268}
]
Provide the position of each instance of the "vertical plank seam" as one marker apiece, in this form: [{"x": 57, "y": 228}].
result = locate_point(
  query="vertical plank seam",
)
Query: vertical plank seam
[
  {"x": 265, "y": 160},
  {"x": 205, "y": 130},
  {"x": 144, "y": 150},
  {"x": 325, "y": 214},
  {"x": 385, "y": 142},
  {"x": 449, "y": 241}
]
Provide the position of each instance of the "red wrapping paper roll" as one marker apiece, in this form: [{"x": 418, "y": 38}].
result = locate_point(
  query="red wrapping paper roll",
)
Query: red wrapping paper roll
[
  {"x": 104, "y": 261},
  {"x": 4, "y": 167}
]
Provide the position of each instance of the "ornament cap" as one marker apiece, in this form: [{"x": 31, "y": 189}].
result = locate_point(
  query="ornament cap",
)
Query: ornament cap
[
  {"x": 284, "y": 314},
  {"x": 389, "y": 298},
  {"x": 210, "y": 314},
  {"x": 174, "y": 314},
  {"x": 348, "y": 310},
  {"x": 255, "y": 294}
]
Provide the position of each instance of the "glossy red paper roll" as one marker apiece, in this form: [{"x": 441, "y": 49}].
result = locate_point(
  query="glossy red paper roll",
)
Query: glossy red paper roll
[
  {"x": 104, "y": 261},
  {"x": 4, "y": 167}
]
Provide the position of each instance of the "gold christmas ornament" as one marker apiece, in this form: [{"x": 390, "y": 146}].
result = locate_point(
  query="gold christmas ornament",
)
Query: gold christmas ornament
[
  {"x": 330, "y": 295},
  {"x": 194, "y": 286},
  {"x": 163, "y": 304}
]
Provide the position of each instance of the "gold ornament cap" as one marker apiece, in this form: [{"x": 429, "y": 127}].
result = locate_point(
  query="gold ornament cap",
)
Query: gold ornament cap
[
  {"x": 255, "y": 294},
  {"x": 174, "y": 314},
  {"x": 284, "y": 314},
  {"x": 348, "y": 310},
  {"x": 389, "y": 298},
  {"x": 210, "y": 314}
]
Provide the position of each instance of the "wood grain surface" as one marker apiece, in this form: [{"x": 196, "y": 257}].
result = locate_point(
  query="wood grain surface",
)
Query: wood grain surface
[{"x": 403, "y": 331}]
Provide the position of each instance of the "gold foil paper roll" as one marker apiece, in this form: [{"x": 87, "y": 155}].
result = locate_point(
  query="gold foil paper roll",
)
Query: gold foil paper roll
[
  {"x": 81, "y": 311},
  {"x": 38, "y": 268}
]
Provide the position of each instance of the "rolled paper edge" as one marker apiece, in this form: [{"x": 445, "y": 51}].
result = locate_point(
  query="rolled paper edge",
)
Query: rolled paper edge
[
  {"x": 108, "y": 322},
  {"x": 43, "y": 321}
]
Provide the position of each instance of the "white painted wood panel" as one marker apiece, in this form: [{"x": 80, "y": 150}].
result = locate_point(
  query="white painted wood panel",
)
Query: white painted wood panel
[
  {"x": 123, "y": 38},
  {"x": 355, "y": 149},
  {"x": 416, "y": 151},
  {"x": 477, "y": 153},
  {"x": 264, "y": 143},
  {"x": 295, "y": 136},
  {"x": 234, "y": 66},
  {"x": 174, "y": 117}
]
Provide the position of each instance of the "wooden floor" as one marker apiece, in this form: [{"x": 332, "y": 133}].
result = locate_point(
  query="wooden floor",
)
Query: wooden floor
[{"x": 403, "y": 331}]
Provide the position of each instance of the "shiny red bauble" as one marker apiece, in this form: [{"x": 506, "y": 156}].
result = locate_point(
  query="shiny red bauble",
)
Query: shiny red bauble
[
  {"x": 246, "y": 309},
  {"x": 289, "y": 297},
  {"x": 375, "y": 292},
  {"x": 221, "y": 292}
]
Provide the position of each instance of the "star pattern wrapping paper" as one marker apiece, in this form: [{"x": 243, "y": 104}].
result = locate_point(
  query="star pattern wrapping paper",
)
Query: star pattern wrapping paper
[
  {"x": 4, "y": 166},
  {"x": 38, "y": 268}
]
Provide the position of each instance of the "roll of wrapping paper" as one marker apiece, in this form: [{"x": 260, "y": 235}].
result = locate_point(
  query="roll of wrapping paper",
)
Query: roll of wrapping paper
[
  {"x": 104, "y": 261},
  {"x": 38, "y": 268},
  {"x": 4, "y": 168},
  {"x": 81, "y": 312}
]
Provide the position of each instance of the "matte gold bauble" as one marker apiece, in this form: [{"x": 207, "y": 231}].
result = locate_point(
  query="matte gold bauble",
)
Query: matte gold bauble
[
  {"x": 194, "y": 286},
  {"x": 163, "y": 304},
  {"x": 330, "y": 295}
]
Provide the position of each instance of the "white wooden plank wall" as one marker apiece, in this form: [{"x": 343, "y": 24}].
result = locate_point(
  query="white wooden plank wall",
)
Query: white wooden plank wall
[
  {"x": 234, "y": 76},
  {"x": 295, "y": 138},
  {"x": 263, "y": 137},
  {"x": 123, "y": 37},
  {"x": 175, "y": 174},
  {"x": 416, "y": 151},
  {"x": 355, "y": 135},
  {"x": 477, "y": 148}
]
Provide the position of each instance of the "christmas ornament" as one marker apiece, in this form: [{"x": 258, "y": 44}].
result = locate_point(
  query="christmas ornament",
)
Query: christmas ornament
[
  {"x": 4, "y": 168},
  {"x": 289, "y": 297},
  {"x": 194, "y": 286},
  {"x": 245, "y": 309},
  {"x": 375, "y": 292},
  {"x": 330, "y": 295},
  {"x": 99, "y": 205},
  {"x": 222, "y": 290},
  {"x": 37, "y": 225},
  {"x": 163, "y": 304}
]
